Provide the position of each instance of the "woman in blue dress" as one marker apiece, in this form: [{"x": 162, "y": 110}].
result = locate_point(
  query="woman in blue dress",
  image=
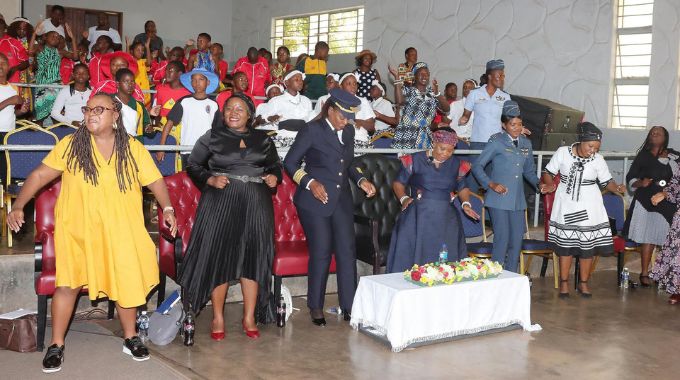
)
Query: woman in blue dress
[{"x": 429, "y": 219}]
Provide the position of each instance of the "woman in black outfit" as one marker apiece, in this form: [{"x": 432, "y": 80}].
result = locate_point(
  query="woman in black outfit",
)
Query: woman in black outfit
[
  {"x": 650, "y": 173},
  {"x": 233, "y": 236}
]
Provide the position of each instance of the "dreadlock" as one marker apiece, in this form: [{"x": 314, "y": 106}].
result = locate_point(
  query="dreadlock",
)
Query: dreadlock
[{"x": 79, "y": 153}]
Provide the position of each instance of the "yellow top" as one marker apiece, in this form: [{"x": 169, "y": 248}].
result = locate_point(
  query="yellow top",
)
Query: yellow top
[
  {"x": 142, "y": 80},
  {"x": 99, "y": 235}
]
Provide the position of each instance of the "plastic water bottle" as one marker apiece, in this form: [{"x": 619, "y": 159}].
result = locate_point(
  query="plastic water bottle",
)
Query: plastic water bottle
[
  {"x": 625, "y": 278},
  {"x": 188, "y": 327},
  {"x": 281, "y": 313},
  {"x": 143, "y": 327},
  {"x": 444, "y": 254}
]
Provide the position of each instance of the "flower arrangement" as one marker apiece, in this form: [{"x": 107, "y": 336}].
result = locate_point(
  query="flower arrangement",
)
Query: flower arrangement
[{"x": 468, "y": 269}]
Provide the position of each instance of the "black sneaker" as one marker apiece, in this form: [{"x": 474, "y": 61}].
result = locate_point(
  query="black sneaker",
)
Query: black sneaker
[
  {"x": 53, "y": 359},
  {"x": 134, "y": 347}
]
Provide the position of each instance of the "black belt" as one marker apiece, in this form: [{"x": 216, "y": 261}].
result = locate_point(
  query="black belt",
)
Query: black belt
[{"x": 242, "y": 178}]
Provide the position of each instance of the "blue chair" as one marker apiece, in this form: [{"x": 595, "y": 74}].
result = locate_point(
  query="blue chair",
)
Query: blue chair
[
  {"x": 542, "y": 248},
  {"x": 615, "y": 205},
  {"x": 62, "y": 130},
  {"x": 21, "y": 163},
  {"x": 475, "y": 228},
  {"x": 168, "y": 165}
]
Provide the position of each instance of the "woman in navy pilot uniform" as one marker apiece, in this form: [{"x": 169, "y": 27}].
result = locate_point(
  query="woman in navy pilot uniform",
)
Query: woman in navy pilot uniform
[
  {"x": 512, "y": 162},
  {"x": 324, "y": 200}
]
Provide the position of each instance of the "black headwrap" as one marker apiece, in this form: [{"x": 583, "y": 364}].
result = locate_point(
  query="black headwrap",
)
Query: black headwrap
[
  {"x": 588, "y": 132},
  {"x": 220, "y": 129}
]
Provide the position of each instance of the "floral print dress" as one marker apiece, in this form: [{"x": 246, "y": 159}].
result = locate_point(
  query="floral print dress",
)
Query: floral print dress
[{"x": 666, "y": 269}]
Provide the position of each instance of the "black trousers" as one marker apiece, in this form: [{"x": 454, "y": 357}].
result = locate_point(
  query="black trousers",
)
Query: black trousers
[{"x": 327, "y": 235}]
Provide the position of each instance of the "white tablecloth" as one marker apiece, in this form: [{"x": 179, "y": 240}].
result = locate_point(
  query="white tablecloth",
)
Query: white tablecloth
[{"x": 406, "y": 313}]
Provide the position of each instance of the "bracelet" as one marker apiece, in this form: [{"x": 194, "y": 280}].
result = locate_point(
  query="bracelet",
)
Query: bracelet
[
  {"x": 437, "y": 94},
  {"x": 398, "y": 82},
  {"x": 401, "y": 200},
  {"x": 169, "y": 208},
  {"x": 466, "y": 203}
]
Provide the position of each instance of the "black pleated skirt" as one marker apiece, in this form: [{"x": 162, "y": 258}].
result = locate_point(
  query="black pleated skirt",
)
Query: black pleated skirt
[{"x": 232, "y": 238}]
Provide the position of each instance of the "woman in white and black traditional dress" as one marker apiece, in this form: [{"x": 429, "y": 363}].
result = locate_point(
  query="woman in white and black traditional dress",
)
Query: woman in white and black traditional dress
[
  {"x": 233, "y": 237},
  {"x": 579, "y": 225},
  {"x": 647, "y": 224}
]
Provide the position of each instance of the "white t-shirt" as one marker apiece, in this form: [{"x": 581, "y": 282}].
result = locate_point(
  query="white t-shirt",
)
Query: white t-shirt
[
  {"x": 93, "y": 34},
  {"x": 70, "y": 104},
  {"x": 49, "y": 27},
  {"x": 7, "y": 117},
  {"x": 456, "y": 111},
  {"x": 318, "y": 106},
  {"x": 382, "y": 106},
  {"x": 289, "y": 107},
  {"x": 196, "y": 117}
]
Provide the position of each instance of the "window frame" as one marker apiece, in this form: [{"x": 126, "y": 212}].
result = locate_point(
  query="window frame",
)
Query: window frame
[{"x": 320, "y": 33}]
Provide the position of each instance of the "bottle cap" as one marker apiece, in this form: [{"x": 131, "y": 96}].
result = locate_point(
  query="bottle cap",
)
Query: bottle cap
[{"x": 144, "y": 312}]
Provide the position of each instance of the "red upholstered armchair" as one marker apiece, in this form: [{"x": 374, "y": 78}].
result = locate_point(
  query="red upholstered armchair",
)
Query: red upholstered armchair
[
  {"x": 45, "y": 264},
  {"x": 291, "y": 257},
  {"x": 184, "y": 197}
]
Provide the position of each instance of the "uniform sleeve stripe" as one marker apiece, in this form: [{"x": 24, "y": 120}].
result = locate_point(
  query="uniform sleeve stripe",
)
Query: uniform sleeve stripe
[{"x": 297, "y": 177}]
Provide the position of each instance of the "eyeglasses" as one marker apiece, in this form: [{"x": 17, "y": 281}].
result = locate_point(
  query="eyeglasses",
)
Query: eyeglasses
[{"x": 98, "y": 110}]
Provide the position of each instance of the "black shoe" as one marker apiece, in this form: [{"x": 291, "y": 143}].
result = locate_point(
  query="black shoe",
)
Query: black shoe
[
  {"x": 563, "y": 295},
  {"x": 53, "y": 359},
  {"x": 580, "y": 290},
  {"x": 317, "y": 317},
  {"x": 346, "y": 316},
  {"x": 134, "y": 347}
]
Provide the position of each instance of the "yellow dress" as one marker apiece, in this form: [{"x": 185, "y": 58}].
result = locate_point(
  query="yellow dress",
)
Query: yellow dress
[
  {"x": 99, "y": 235},
  {"x": 142, "y": 80}
]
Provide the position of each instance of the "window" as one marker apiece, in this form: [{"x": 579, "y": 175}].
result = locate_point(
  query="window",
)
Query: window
[
  {"x": 342, "y": 29},
  {"x": 632, "y": 63}
]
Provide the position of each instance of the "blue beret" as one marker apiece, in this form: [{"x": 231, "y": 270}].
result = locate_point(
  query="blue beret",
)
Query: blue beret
[
  {"x": 511, "y": 108},
  {"x": 495, "y": 64},
  {"x": 347, "y": 103}
]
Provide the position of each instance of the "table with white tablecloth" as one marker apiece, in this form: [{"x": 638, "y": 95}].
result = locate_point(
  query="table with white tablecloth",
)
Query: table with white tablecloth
[{"x": 406, "y": 314}]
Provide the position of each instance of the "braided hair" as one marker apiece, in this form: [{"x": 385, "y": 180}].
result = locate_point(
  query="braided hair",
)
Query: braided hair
[{"x": 79, "y": 153}]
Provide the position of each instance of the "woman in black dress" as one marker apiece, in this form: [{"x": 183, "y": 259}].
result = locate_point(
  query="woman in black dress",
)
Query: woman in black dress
[
  {"x": 647, "y": 224},
  {"x": 233, "y": 237}
]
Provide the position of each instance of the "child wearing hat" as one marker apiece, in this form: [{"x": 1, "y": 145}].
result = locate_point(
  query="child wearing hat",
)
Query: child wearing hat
[
  {"x": 272, "y": 91},
  {"x": 511, "y": 156},
  {"x": 195, "y": 112},
  {"x": 579, "y": 225}
]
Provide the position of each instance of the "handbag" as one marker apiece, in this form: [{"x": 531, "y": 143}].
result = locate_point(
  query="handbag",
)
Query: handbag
[
  {"x": 19, "y": 334},
  {"x": 166, "y": 322}
]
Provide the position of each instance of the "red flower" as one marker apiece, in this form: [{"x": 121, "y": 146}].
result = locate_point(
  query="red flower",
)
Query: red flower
[{"x": 415, "y": 276}]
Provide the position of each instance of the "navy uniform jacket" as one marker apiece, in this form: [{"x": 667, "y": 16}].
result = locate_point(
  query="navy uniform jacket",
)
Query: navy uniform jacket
[
  {"x": 326, "y": 161},
  {"x": 510, "y": 165}
]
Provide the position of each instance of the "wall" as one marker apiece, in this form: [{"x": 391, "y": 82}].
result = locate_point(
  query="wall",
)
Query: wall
[
  {"x": 10, "y": 9},
  {"x": 556, "y": 49},
  {"x": 175, "y": 19}
]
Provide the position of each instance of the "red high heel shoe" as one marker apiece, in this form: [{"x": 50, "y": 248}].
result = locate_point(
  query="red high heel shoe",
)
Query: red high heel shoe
[
  {"x": 253, "y": 334},
  {"x": 217, "y": 335}
]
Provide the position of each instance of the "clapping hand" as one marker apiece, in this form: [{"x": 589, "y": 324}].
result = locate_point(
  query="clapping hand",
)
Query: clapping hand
[{"x": 435, "y": 86}]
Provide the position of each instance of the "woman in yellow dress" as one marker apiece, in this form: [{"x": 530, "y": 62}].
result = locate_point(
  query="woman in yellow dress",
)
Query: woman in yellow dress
[{"x": 99, "y": 236}]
